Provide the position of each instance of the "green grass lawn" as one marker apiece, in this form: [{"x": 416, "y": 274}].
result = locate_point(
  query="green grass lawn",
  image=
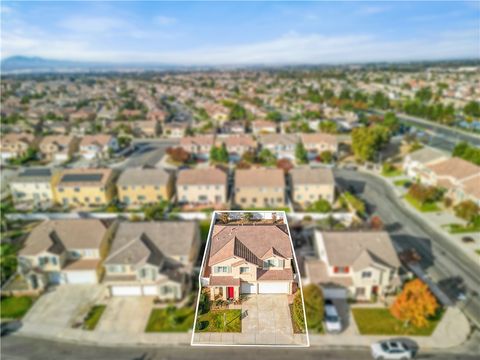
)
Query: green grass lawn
[
  {"x": 379, "y": 321},
  {"x": 215, "y": 321},
  {"x": 402, "y": 182},
  {"x": 427, "y": 207},
  {"x": 171, "y": 320},
  {"x": 392, "y": 173},
  {"x": 15, "y": 307},
  {"x": 93, "y": 316},
  {"x": 461, "y": 229}
]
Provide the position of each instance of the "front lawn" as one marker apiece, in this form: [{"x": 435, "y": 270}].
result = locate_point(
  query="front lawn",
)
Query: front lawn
[
  {"x": 93, "y": 316},
  {"x": 379, "y": 321},
  {"x": 220, "y": 321},
  {"x": 12, "y": 307},
  {"x": 461, "y": 229},
  {"x": 171, "y": 319},
  {"x": 402, "y": 182},
  {"x": 392, "y": 172},
  {"x": 426, "y": 207}
]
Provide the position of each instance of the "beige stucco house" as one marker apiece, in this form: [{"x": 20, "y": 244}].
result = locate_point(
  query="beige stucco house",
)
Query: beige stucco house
[
  {"x": 202, "y": 186},
  {"x": 58, "y": 147},
  {"x": 32, "y": 187},
  {"x": 311, "y": 184},
  {"x": 262, "y": 187}
]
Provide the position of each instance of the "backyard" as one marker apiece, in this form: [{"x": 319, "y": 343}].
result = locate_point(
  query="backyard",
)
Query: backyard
[
  {"x": 220, "y": 321},
  {"x": 15, "y": 307},
  {"x": 171, "y": 319},
  {"x": 379, "y": 321}
]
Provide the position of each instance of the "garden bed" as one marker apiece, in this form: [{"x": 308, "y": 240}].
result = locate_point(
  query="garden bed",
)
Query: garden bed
[
  {"x": 93, "y": 317},
  {"x": 15, "y": 307},
  {"x": 220, "y": 321},
  {"x": 426, "y": 207}
]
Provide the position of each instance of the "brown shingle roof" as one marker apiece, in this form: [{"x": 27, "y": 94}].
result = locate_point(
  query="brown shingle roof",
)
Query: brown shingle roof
[
  {"x": 455, "y": 167},
  {"x": 284, "y": 274},
  {"x": 259, "y": 178},
  {"x": 319, "y": 138},
  {"x": 224, "y": 281},
  {"x": 99, "y": 139}
]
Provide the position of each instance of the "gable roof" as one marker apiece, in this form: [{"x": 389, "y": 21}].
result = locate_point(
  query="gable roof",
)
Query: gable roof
[
  {"x": 314, "y": 176},
  {"x": 249, "y": 242},
  {"x": 210, "y": 176},
  {"x": 358, "y": 249},
  {"x": 279, "y": 139},
  {"x": 259, "y": 178},
  {"x": 144, "y": 177},
  {"x": 319, "y": 138},
  {"x": 57, "y": 235},
  {"x": 455, "y": 167},
  {"x": 427, "y": 155}
]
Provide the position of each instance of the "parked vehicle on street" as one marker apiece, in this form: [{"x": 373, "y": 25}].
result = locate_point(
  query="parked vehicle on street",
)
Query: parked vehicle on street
[
  {"x": 386, "y": 350},
  {"x": 332, "y": 320}
]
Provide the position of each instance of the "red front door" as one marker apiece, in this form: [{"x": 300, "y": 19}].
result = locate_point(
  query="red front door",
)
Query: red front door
[
  {"x": 375, "y": 290},
  {"x": 230, "y": 292}
]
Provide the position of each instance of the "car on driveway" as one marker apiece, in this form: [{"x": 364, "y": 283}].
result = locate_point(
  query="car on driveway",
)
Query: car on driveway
[
  {"x": 332, "y": 320},
  {"x": 386, "y": 350}
]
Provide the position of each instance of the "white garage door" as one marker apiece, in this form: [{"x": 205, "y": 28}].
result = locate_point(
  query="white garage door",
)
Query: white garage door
[
  {"x": 248, "y": 288},
  {"x": 81, "y": 277},
  {"x": 150, "y": 290},
  {"x": 126, "y": 290},
  {"x": 273, "y": 288},
  {"x": 334, "y": 293}
]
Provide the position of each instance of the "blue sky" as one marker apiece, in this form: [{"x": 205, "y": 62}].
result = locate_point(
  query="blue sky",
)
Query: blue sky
[{"x": 241, "y": 32}]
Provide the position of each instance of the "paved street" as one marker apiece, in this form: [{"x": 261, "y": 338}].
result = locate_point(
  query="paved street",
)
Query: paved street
[
  {"x": 444, "y": 262},
  {"x": 22, "y": 348}
]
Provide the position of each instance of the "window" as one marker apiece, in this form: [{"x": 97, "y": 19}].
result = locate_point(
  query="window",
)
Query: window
[
  {"x": 116, "y": 268},
  {"x": 97, "y": 199},
  {"x": 340, "y": 269},
  {"x": 87, "y": 199},
  {"x": 77, "y": 189},
  {"x": 60, "y": 189},
  {"x": 157, "y": 187},
  {"x": 167, "y": 290},
  {"x": 222, "y": 269},
  {"x": 244, "y": 269},
  {"x": 360, "y": 291},
  {"x": 269, "y": 263},
  {"x": 124, "y": 187},
  {"x": 366, "y": 274},
  {"x": 54, "y": 260}
]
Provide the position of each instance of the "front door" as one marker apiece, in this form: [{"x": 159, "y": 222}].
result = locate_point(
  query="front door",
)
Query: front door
[{"x": 230, "y": 292}]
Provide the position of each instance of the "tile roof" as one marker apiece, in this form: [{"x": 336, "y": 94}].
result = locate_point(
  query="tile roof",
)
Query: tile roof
[
  {"x": 144, "y": 177},
  {"x": 99, "y": 139},
  {"x": 308, "y": 175},
  {"x": 319, "y": 138},
  {"x": 210, "y": 176},
  {"x": 284, "y": 274},
  {"x": 455, "y": 167},
  {"x": 260, "y": 177},
  {"x": 224, "y": 281},
  {"x": 427, "y": 155},
  {"x": 279, "y": 139}
]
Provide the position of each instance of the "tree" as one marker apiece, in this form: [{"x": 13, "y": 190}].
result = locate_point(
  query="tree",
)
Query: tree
[
  {"x": 320, "y": 206},
  {"x": 467, "y": 210},
  {"x": 178, "y": 154},
  {"x": 237, "y": 112},
  {"x": 424, "y": 94},
  {"x": 8, "y": 261},
  {"x": 223, "y": 217},
  {"x": 367, "y": 141},
  {"x": 423, "y": 193},
  {"x": 156, "y": 211},
  {"x": 274, "y": 116},
  {"x": 380, "y": 100},
  {"x": 472, "y": 109},
  {"x": 313, "y": 298},
  {"x": 415, "y": 304},
  {"x": 326, "y": 157},
  {"x": 391, "y": 121},
  {"x": 301, "y": 154},
  {"x": 328, "y": 126},
  {"x": 467, "y": 152},
  {"x": 266, "y": 157},
  {"x": 285, "y": 164}
]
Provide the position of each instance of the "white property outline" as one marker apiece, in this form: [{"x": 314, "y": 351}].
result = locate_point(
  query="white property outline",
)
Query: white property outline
[{"x": 212, "y": 222}]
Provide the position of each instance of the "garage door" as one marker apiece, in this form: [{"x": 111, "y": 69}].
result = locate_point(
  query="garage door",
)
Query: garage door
[
  {"x": 150, "y": 290},
  {"x": 273, "y": 288},
  {"x": 248, "y": 288},
  {"x": 126, "y": 290},
  {"x": 81, "y": 277},
  {"x": 334, "y": 293}
]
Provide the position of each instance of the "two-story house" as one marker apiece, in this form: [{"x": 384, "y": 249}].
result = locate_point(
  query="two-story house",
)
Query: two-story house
[
  {"x": 64, "y": 252},
  {"x": 15, "y": 145},
  {"x": 32, "y": 187},
  {"x": 415, "y": 163},
  {"x": 258, "y": 188},
  {"x": 83, "y": 187},
  {"x": 58, "y": 147},
  {"x": 311, "y": 184},
  {"x": 237, "y": 145},
  {"x": 281, "y": 145},
  {"x": 98, "y": 146},
  {"x": 137, "y": 187},
  {"x": 152, "y": 258},
  {"x": 198, "y": 146},
  {"x": 202, "y": 186},
  {"x": 355, "y": 265},
  {"x": 174, "y": 129},
  {"x": 263, "y": 127},
  {"x": 317, "y": 143},
  {"x": 249, "y": 259}
]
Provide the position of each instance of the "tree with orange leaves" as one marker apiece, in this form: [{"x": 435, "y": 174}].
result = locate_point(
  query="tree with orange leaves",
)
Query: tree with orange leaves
[{"x": 415, "y": 304}]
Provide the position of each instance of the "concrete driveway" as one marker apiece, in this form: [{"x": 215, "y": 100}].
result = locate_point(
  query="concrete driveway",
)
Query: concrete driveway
[
  {"x": 60, "y": 307},
  {"x": 127, "y": 315}
]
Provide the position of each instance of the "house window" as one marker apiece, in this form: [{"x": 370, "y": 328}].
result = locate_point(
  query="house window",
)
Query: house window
[
  {"x": 340, "y": 269},
  {"x": 167, "y": 290},
  {"x": 360, "y": 291},
  {"x": 54, "y": 261},
  {"x": 60, "y": 189},
  {"x": 77, "y": 189},
  {"x": 124, "y": 187},
  {"x": 269, "y": 263},
  {"x": 366, "y": 274},
  {"x": 222, "y": 269},
  {"x": 97, "y": 199},
  {"x": 116, "y": 268},
  {"x": 244, "y": 269}
]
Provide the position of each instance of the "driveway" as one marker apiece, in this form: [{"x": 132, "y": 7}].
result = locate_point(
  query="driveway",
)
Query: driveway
[
  {"x": 60, "y": 307},
  {"x": 127, "y": 315}
]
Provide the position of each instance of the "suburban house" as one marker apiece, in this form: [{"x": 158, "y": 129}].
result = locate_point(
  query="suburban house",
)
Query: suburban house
[
  {"x": 202, "y": 186},
  {"x": 174, "y": 129},
  {"x": 355, "y": 265},
  {"x": 233, "y": 127},
  {"x": 144, "y": 259},
  {"x": 58, "y": 147},
  {"x": 237, "y": 145},
  {"x": 317, "y": 143},
  {"x": 281, "y": 145},
  {"x": 263, "y": 127},
  {"x": 311, "y": 184},
  {"x": 66, "y": 251},
  {"x": 98, "y": 146},
  {"x": 32, "y": 187},
  {"x": 459, "y": 177},
  {"x": 83, "y": 187},
  {"x": 15, "y": 145},
  {"x": 145, "y": 128},
  {"x": 137, "y": 187},
  {"x": 415, "y": 163},
  {"x": 199, "y": 146},
  {"x": 257, "y": 188},
  {"x": 249, "y": 259}
]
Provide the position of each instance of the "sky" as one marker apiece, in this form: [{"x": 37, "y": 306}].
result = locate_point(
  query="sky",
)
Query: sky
[{"x": 221, "y": 33}]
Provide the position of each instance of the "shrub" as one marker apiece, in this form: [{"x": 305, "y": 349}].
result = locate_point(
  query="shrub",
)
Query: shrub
[
  {"x": 467, "y": 210},
  {"x": 321, "y": 206},
  {"x": 313, "y": 296},
  {"x": 298, "y": 316}
]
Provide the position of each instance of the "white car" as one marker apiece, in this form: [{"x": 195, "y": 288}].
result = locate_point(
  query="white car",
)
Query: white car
[
  {"x": 391, "y": 350},
  {"x": 332, "y": 320}
]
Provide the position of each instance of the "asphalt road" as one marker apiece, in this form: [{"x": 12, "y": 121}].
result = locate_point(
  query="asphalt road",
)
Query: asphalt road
[
  {"x": 21, "y": 348},
  {"x": 452, "y": 270},
  {"x": 148, "y": 152}
]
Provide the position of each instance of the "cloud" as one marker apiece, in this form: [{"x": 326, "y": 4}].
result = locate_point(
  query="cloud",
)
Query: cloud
[
  {"x": 86, "y": 24},
  {"x": 164, "y": 20}
]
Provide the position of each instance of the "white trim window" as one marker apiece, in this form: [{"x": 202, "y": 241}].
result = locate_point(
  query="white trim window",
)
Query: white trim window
[{"x": 222, "y": 269}]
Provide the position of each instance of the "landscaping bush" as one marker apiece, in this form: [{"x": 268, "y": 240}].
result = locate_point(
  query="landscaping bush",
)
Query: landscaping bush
[
  {"x": 298, "y": 315},
  {"x": 321, "y": 206},
  {"x": 314, "y": 302},
  {"x": 204, "y": 303},
  {"x": 468, "y": 211}
]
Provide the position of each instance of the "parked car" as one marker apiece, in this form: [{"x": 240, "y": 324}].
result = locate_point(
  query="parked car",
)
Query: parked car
[
  {"x": 391, "y": 350},
  {"x": 332, "y": 320}
]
